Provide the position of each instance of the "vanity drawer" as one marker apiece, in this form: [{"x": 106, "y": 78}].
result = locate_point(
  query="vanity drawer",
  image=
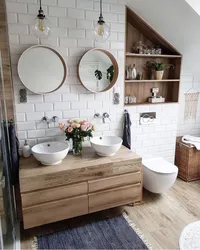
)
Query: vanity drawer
[
  {"x": 114, "y": 197},
  {"x": 55, "y": 211},
  {"x": 52, "y": 194},
  {"x": 115, "y": 181}
]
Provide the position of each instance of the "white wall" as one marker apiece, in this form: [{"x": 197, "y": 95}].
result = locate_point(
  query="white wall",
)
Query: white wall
[
  {"x": 180, "y": 25},
  {"x": 73, "y": 22},
  {"x": 72, "y": 35}
]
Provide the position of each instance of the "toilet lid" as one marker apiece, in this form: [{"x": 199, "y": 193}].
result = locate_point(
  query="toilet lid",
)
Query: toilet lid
[{"x": 160, "y": 165}]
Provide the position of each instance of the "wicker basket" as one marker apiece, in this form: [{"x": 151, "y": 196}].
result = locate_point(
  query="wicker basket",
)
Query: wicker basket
[{"x": 187, "y": 159}]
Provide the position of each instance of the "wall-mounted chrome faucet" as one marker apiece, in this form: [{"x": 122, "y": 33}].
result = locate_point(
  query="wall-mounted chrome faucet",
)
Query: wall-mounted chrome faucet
[
  {"x": 46, "y": 120},
  {"x": 55, "y": 119},
  {"x": 103, "y": 117},
  {"x": 97, "y": 116}
]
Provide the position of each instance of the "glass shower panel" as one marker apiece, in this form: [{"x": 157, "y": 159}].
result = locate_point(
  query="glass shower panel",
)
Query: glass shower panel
[{"x": 7, "y": 201}]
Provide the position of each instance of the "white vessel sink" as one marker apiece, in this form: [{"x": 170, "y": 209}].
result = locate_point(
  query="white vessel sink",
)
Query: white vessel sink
[
  {"x": 106, "y": 145},
  {"x": 50, "y": 153}
]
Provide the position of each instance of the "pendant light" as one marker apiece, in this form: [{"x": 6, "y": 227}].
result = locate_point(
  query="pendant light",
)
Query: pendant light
[
  {"x": 102, "y": 30},
  {"x": 41, "y": 25}
]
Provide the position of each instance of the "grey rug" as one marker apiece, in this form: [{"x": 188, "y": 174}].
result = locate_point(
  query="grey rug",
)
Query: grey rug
[{"x": 110, "y": 233}]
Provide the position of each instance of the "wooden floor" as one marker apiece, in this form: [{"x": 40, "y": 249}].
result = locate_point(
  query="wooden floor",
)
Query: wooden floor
[{"x": 161, "y": 218}]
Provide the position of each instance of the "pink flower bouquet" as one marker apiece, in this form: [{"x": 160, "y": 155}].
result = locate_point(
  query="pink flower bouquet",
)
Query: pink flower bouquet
[{"x": 77, "y": 131}]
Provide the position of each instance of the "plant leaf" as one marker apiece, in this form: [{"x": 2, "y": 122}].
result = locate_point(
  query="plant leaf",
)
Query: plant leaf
[
  {"x": 110, "y": 73},
  {"x": 98, "y": 74}
]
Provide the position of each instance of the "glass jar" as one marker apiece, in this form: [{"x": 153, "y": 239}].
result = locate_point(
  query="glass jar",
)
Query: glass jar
[
  {"x": 145, "y": 51},
  {"x": 158, "y": 51},
  {"x": 148, "y": 51},
  {"x": 138, "y": 47},
  {"x": 126, "y": 99},
  {"x": 132, "y": 99}
]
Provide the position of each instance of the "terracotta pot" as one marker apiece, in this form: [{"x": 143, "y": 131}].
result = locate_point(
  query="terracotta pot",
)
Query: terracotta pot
[{"x": 158, "y": 75}]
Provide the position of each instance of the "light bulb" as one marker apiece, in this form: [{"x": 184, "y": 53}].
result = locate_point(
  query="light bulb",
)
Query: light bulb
[
  {"x": 102, "y": 32},
  {"x": 41, "y": 27}
]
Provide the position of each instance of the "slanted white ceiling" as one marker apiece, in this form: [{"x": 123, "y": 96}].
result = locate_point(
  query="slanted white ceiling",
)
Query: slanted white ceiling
[{"x": 176, "y": 21}]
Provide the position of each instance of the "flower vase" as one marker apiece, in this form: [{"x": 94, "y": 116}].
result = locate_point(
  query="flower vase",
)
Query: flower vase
[{"x": 77, "y": 146}]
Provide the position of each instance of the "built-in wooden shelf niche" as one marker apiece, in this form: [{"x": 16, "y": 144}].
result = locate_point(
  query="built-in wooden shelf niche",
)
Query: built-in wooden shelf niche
[{"x": 138, "y": 30}]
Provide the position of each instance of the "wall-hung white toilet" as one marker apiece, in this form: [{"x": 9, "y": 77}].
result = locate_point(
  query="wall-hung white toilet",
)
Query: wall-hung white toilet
[{"x": 159, "y": 175}]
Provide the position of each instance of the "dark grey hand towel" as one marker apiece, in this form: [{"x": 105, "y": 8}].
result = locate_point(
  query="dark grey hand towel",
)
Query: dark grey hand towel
[
  {"x": 14, "y": 148},
  {"x": 127, "y": 130}
]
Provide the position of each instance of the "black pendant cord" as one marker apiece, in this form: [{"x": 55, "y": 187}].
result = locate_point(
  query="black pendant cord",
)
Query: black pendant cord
[
  {"x": 40, "y": 4},
  {"x": 41, "y": 12},
  {"x": 101, "y": 8},
  {"x": 101, "y": 21}
]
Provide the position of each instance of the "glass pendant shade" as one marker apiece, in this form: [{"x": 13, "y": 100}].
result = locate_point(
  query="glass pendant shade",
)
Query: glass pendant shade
[
  {"x": 41, "y": 27},
  {"x": 102, "y": 32}
]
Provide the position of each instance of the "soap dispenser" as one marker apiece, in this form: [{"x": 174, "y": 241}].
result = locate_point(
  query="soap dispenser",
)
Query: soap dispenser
[{"x": 26, "y": 151}]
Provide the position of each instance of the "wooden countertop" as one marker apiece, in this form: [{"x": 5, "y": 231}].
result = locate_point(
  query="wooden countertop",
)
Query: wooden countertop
[
  {"x": 33, "y": 175},
  {"x": 30, "y": 166}
]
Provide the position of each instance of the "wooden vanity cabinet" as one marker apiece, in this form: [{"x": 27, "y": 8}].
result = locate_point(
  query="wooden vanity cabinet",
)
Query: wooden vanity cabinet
[{"x": 80, "y": 185}]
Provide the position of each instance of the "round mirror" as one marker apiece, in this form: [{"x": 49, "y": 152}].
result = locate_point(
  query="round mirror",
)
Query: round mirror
[
  {"x": 42, "y": 69},
  {"x": 98, "y": 70}
]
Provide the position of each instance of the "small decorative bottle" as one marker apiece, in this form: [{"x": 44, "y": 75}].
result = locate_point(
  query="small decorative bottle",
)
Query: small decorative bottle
[
  {"x": 127, "y": 75},
  {"x": 134, "y": 72},
  {"x": 130, "y": 72},
  {"x": 26, "y": 151}
]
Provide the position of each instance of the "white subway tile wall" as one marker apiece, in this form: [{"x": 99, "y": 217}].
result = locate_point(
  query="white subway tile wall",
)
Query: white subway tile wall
[
  {"x": 72, "y": 34},
  {"x": 157, "y": 139}
]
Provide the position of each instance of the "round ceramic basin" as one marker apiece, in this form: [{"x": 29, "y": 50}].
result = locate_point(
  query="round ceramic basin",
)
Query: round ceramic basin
[
  {"x": 106, "y": 145},
  {"x": 50, "y": 153}
]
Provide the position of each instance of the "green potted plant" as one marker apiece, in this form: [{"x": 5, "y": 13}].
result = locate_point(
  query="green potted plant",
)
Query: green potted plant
[{"x": 158, "y": 68}]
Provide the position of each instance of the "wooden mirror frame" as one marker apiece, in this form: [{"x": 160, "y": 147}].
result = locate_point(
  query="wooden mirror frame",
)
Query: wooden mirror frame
[
  {"x": 65, "y": 69},
  {"x": 115, "y": 65}
]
